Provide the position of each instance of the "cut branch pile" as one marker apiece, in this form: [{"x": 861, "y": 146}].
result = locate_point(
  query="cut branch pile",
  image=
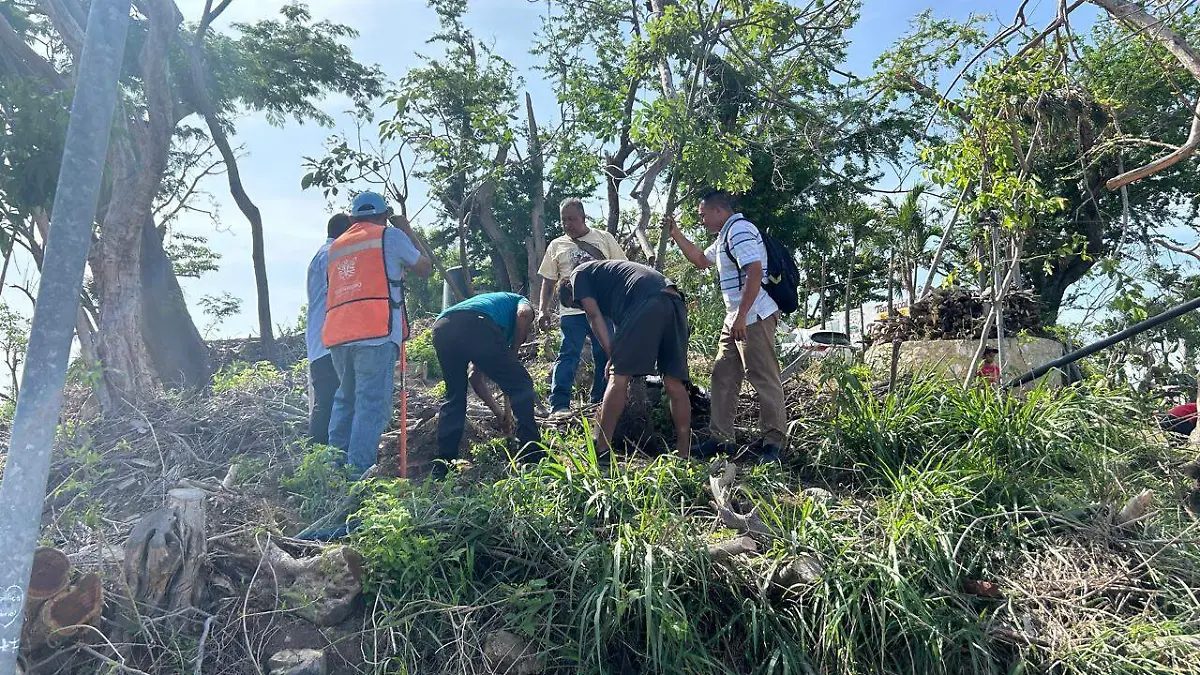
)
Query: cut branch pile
[{"x": 957, "y": 315}]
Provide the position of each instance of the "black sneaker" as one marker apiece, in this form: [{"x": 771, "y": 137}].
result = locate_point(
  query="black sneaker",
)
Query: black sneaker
[
  {"x": 769, "y": 455},
  {"x": 712, "y": 447},
  {"x": 440, "y": 470}
]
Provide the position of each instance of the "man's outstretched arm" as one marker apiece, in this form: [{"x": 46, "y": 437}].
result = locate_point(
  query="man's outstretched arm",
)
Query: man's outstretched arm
[{"x": 690, "y": 250}]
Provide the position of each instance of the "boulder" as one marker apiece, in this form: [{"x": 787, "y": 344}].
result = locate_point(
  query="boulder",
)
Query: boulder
[
  {"x": 511, "y": 654},
  {"x": 298, "y": 662}
]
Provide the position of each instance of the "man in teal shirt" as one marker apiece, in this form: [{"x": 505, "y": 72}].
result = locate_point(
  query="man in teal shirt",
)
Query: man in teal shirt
[{"x": 486, "y": 331}]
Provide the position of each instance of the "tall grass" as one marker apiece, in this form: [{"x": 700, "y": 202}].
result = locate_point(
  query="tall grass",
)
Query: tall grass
[{"x": 606, "y": 569}]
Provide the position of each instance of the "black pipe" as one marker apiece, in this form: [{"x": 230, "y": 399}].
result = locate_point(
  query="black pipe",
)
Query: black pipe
[{"x": 1174, "y": 312}]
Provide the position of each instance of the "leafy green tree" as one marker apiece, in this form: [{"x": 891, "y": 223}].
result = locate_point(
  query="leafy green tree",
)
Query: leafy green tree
[{"x": 144, "y": 326}]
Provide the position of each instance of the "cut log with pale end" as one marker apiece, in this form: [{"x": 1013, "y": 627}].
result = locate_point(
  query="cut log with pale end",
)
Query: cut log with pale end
[
  {"x": 51, "y": 574},
  {"x": 165, "y": 553},
  {"x": 68, "y": 615}
]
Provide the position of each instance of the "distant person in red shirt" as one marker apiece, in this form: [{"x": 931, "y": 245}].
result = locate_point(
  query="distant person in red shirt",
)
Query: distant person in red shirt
[
  {"x": 1181, "y": 419},
  {"x": 990, "y": 371}
]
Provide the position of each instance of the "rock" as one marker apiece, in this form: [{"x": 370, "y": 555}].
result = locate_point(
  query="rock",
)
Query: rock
[
  {"x": 804, "y": 570},
  {"x": 511, "y": 654},
  {"x": 324, "y": 589},
  {"x": 819, "y": 495},
  {"x": 298, "y": 662},
  {"x": 1192, "y": 470},
  {"x": 1135, "y": 510},
  {"x": 983, "y": 589}
]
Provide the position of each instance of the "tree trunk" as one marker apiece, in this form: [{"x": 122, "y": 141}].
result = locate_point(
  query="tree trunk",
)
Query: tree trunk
[
  {"x": 247, "y": 207},
  {"x": 117, "y": 263},
  {"x": 484, "y": 198},
  {"x": 537, "y": 219},
  {"x": 463, "y": 260},
  {"x": 642, "y": 195},
  {"x": 664, "y": 235},
  {"x": 823, "y": 298},
  {"x": 84, "y": 330},
  {"x": 179, "y": 353},
  {"x": 849, "y": 282}
]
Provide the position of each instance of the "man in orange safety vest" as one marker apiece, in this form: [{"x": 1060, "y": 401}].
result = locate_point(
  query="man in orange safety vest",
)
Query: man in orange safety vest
[{"x": 365, "y": 322}]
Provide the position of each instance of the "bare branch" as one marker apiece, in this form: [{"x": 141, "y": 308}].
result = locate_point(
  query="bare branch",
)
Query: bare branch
[{"x": 1134, "y": 16}]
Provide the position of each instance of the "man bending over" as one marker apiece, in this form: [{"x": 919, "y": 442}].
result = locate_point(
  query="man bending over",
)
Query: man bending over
[{"x": 651, "y": 335}]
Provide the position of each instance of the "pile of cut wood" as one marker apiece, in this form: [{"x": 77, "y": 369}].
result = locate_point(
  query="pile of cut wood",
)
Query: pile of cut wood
[{"x": 957, "y": 314}]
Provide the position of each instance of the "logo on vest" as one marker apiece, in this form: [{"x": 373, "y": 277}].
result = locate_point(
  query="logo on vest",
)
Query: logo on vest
[{"x": 347, "y": 268}]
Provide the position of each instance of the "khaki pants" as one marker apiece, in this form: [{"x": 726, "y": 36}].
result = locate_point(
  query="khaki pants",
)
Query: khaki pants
[{"x": 754, "y": 360}]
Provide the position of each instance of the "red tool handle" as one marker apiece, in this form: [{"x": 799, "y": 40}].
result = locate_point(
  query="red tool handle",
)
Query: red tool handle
[{"x": 403, "y": 411}]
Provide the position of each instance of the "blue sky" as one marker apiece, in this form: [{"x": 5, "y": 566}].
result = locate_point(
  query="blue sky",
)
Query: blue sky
[{"x": 392, "y": 32}]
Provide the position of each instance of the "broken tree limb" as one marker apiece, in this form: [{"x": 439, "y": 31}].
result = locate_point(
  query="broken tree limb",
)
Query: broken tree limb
[
  {"x": 747, "y": 524},
  {"x": 732, "y": 548},
  {"x": 1137, "y": 18}
]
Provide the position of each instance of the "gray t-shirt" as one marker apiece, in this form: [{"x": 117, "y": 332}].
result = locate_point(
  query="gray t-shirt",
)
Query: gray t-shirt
[{"x": 617, "y": 286}]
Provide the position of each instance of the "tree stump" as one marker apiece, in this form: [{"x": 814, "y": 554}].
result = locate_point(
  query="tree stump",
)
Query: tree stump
[{"x": 166, "y": 551}]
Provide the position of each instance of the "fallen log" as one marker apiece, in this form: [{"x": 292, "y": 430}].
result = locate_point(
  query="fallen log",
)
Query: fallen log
[{"x": 732, "y": 548}]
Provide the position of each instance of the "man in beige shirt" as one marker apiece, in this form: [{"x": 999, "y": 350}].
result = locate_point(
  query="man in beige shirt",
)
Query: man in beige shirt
[{"x": 580, "y": 244}]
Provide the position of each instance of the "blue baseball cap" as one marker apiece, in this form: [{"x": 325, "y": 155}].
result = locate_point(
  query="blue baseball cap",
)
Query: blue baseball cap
[{"x": 368, "y": 204}]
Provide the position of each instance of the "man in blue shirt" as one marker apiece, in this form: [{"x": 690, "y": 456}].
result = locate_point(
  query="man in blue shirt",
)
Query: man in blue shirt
[
  {"x": 486, "y": 331},
  {"x": 321, "y": 374},
  {"x": 363, "y": 405}
]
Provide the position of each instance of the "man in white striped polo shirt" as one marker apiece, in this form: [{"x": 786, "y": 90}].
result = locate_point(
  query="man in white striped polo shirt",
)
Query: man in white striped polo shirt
[{"x": 747, "y": 347}]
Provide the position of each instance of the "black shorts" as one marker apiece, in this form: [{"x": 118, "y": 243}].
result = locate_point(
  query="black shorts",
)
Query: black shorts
[{"x": 655, "y": 333}]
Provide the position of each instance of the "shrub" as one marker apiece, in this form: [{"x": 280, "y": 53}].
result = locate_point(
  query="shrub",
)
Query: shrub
[
  {"x": 243, "y": 376},
  {"x": 606, "y": 570},
  {"x": 319, "y": 483}
]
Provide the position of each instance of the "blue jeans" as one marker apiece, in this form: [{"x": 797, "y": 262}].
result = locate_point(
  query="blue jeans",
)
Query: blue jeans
[
  {"x": 575, "y": 329},
  {"x": 363, "y": 405}
]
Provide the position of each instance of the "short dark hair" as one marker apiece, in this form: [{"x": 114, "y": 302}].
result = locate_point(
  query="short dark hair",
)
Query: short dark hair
[
  {"x": 566, "y": 293},
  {"x": 718, "y": 198},
  {"x": 338, "y": 225},
  {"x": 988, "y": 351}
]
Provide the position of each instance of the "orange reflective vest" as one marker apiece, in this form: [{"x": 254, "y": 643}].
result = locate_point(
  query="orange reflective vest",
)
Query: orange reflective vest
[{"x": 359, "y": 303}]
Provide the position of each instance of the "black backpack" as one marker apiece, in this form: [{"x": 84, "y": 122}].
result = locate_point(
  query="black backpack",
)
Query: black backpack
[{"x": 783, "y": 276}]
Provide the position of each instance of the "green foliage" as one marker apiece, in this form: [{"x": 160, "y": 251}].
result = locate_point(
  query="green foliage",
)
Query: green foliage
[
  {"x": 191, "y": 255},
  {"x": 319, "y": 483},
  {"x": 604, "y": 569},
  {"x": 420, "y": 350},
  {"x": 219, "y": 308},
  {"x": 284, "y": 67},
  {"x": 14, "y": 342},
  {"x": 243, "y": 376}
]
